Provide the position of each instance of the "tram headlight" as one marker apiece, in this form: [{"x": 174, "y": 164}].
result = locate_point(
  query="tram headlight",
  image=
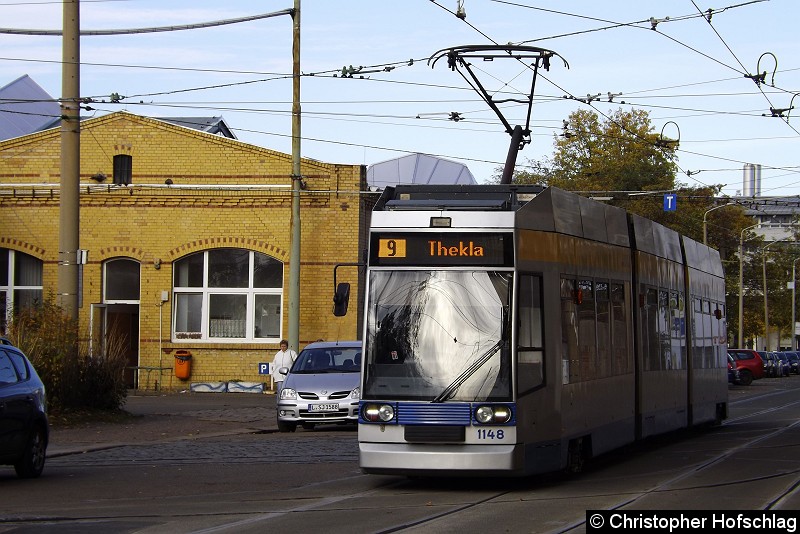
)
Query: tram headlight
[
  {"x": 497, "y": 414},
  {"x": 378, "y": 413},
  {"x": 484, "y": 414}
]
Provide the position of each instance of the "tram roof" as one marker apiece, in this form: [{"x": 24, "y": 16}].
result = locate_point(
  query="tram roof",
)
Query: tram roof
[
  {"x": 551, "y": 209},
  {"x": 506, "y": 197}
]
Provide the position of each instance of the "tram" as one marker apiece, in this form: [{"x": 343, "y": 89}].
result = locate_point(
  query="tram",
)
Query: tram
[{"x": 515, "y": 330}]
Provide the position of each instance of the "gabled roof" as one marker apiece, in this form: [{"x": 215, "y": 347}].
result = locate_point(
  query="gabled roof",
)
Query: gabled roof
[
  {"x": 418, "y": 169},
  {"x": 26, "y": 108},
  {"x": 212, "y": 125}
]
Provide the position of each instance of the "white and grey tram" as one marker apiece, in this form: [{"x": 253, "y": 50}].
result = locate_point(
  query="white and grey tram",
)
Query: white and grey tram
[{"x": 514, "y": 330}]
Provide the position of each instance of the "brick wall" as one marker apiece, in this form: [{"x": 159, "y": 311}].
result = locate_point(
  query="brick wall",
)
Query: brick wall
[{"x": 157, "y": 225}]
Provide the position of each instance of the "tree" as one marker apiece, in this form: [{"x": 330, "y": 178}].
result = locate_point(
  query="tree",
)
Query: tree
[
  {"x": 621, "y": 153},
  {"x": 622, "y": 157}
]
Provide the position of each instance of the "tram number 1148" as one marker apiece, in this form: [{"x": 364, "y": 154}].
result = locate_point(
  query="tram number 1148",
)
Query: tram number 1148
[{"x": 488, "y": 433}]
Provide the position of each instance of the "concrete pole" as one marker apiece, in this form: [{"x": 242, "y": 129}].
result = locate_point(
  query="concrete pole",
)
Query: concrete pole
[
  {"x": 294, "y": 258},
  {"x": 69, "y": 199},
  {"x": 794, "y": 293},
  {"x": 741, "y": 292},
  {"x": 766, "y": 308}
]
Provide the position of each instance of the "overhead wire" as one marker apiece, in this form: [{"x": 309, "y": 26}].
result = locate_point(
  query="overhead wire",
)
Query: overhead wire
[
  {"x": 398, "y": 63},
  {"x": 705, "y": 55},
  {"x": 745, "y": 72}
]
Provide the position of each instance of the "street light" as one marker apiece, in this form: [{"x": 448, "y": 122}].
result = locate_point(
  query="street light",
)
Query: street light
[
  {"x": 766, "y": 307},
  {"x": 741, "y": 284},
  {"x": 766, "y": 310},
  {"x": 705, "y": 232}
]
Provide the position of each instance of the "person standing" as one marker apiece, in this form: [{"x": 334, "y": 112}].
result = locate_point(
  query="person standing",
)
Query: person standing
[{"x": 283, "y": 358}]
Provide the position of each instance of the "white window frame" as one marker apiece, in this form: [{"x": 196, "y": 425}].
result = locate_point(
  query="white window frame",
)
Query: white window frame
[
  {"x": 250, "y": 292},
  {"x": 9, "y": 288}
]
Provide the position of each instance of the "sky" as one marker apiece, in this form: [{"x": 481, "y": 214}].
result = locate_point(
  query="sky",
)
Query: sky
[{"x": 694, "y": 77}]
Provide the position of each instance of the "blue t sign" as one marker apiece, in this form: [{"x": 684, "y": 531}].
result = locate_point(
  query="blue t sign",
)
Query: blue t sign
[{"x": 670, "y": 202}]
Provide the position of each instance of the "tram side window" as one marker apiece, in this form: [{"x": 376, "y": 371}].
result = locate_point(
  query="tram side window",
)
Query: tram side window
[
  {"x": 619, "y": 325},
  {"x": 587, "y": 330},
  {"x": 652, "y": 350},
  {"x": 664, "y": 330},
  {"x": 604, "y": 345},
  {"x": 678, "y": 316},
  {"x": 530, "y": 352},
  {"x": 708, "y": 340},
  {"x": 697, "y": 331},
  {"x": 720, "y": 335},
  {"x": 569, "y": 331}
]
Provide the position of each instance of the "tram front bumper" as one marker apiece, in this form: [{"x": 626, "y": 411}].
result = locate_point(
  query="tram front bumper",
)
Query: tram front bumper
[{"x": 444, "y": 459}]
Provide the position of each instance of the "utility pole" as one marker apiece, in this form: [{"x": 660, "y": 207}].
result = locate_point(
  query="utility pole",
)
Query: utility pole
[
  {"x": 69, "y": 199},
  {"x": 294, "y": 254}
]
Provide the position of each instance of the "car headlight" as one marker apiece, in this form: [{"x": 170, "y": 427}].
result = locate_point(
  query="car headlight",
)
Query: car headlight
[
  {"x": 288, "y": 394},
  {"x": 378, "y": 413},
  {"x": 356, "y": 393},
  {"x": 497, "y": 414}
]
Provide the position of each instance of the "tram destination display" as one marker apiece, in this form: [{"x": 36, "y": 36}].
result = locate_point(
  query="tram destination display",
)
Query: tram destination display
[{"x": 492, "y": 249}]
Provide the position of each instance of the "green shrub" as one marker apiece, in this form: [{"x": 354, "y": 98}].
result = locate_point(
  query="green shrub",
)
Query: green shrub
[{"x": 72, "y": 377}]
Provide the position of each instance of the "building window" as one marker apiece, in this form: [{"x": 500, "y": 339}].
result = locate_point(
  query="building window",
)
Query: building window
[
  {"x": 121, "y": 281},
  {"x": 123, "y": 169},
  {"x": 228, "y": 295},
  {"x": 20, "y": 283}
]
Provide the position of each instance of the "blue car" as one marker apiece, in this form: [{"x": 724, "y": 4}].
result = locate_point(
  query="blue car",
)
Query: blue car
[
  {"x": 24, "y": 428},
  {"x": 794, "y": 362}
]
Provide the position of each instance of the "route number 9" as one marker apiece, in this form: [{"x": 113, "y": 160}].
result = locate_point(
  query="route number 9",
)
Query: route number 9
[{"x": 391, "y": 248}]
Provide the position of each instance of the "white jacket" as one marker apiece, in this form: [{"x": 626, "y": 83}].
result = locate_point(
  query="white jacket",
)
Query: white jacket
[{"x": 283, "y": 358}]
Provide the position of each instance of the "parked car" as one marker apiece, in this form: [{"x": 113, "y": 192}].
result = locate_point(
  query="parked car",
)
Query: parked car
[
  {"x": 784, "y": 367},
  {"x": 24, "y": 428},
  {"x": 770, "y": 366},
  {"x": 794, "y": 362},
  {"x": 733, "y": 371},
  {"x": 323, "y": 386},
  {"x": 749, "y": 363}
]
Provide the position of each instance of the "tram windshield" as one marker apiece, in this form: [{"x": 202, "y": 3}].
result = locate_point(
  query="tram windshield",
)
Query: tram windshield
[{"x": 438, "y": 336}]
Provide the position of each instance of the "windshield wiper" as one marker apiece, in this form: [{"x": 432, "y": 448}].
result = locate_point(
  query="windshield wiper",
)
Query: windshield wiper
[{"x": 450, "y": 390}]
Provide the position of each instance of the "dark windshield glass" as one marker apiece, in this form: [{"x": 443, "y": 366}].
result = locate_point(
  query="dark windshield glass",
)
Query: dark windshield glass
[
  {"x": 438, "y": 335},
  {"x": 328, "y": 360}
]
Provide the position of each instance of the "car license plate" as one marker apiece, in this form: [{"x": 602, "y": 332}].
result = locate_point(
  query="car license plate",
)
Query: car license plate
[{"x": 323, "y": 407}]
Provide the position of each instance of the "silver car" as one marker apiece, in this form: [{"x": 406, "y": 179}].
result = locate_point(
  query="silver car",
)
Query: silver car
[{"x": 323, "y": 386}]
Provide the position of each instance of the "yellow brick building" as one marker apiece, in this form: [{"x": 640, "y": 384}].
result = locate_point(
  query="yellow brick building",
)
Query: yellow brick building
[{"x": 193, "y": 253}]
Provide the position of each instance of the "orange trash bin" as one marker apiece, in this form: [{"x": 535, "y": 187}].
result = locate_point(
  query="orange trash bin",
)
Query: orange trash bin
[{"x": 183, "y": 364}]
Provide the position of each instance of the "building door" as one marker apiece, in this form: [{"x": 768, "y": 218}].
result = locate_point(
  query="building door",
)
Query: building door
[{"x": 120, "y": 321}]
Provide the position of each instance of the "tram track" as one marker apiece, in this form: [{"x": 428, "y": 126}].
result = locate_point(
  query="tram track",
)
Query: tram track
[
  {"x": 351, "y": 501},
  {"x": 778, "y": 500},
  {"x": 695, "y": 469}
]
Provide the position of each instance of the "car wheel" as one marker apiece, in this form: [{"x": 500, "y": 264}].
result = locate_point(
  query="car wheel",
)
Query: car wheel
[
  {"x": 31, "y": 464},
  {"x": 283, "y": 426},
  {"x": 745, "y": 377}
]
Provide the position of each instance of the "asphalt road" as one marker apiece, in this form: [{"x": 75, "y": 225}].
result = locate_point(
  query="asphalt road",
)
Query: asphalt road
[{"x": 228, "y": 471}]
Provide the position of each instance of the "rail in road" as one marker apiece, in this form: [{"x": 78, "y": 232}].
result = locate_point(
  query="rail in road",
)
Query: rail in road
[{"x": 309, "y": 481}]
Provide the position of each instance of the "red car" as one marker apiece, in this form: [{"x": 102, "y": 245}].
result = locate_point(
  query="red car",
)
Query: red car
[{"x": 749, "y": 363}]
